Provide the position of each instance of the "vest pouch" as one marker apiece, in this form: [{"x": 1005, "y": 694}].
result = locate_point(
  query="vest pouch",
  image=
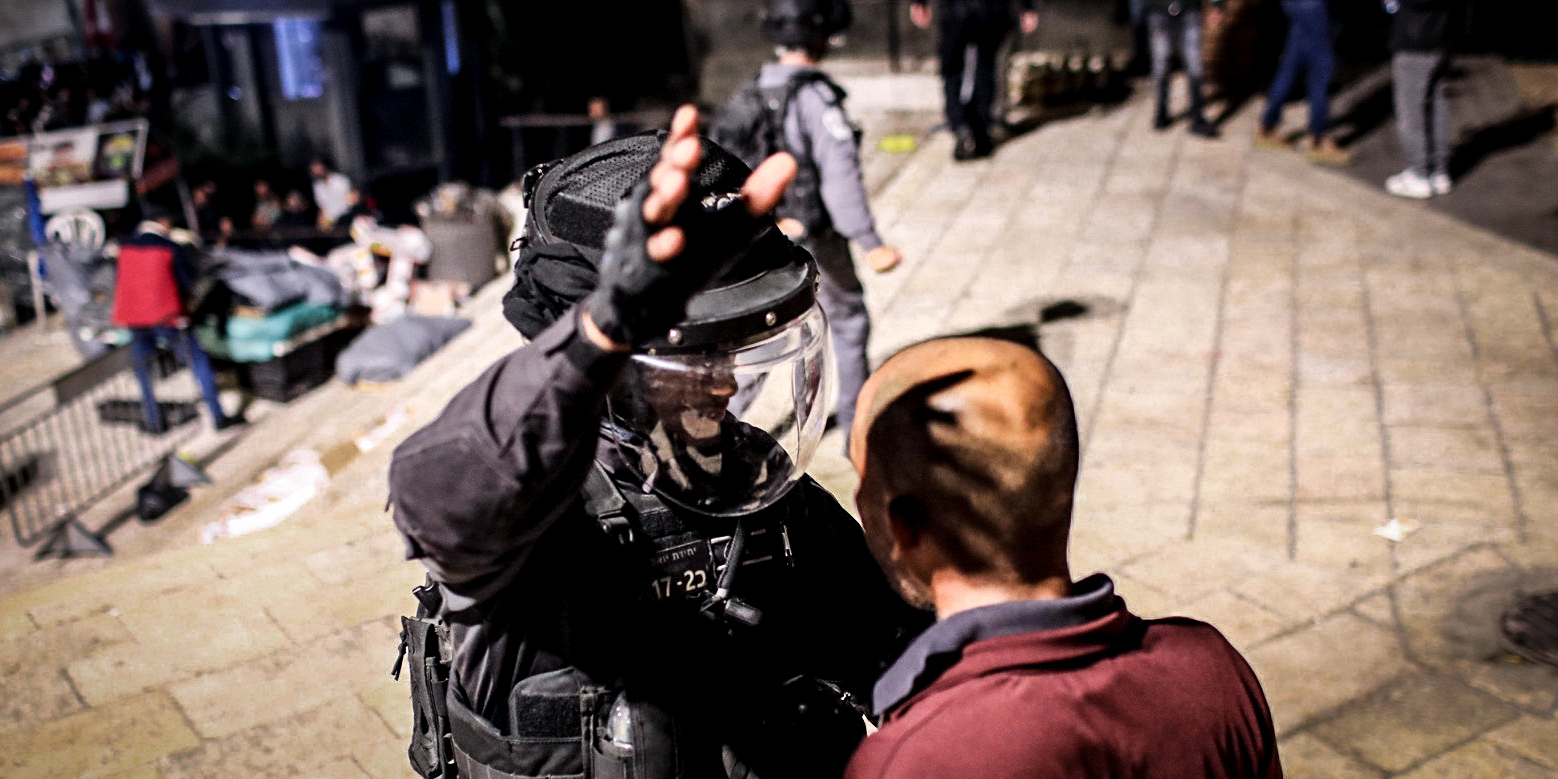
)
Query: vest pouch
[
  {"x": 549, "y": 715},
  {"x": 633, "y": 739},
  {"x": 802, "y": 711},
  {"x": 429, "y": 751}
]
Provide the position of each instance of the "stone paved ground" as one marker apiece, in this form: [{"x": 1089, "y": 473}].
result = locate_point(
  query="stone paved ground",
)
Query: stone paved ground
[{"x": 1269, "y": 362}]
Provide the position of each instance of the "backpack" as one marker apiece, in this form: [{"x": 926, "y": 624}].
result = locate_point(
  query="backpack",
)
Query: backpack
[{"x": 750, "y": 125}]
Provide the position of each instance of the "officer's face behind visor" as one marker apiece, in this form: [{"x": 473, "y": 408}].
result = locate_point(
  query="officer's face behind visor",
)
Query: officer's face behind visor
[{"x": 726, "y": 432}]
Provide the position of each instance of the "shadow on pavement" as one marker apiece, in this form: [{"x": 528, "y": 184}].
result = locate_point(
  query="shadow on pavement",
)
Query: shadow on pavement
[
  {"x": 1516, "y": 131},
  {"x": 1372, "y": 105}
]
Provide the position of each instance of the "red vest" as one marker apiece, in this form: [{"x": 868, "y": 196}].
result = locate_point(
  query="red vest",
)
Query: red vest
[{"x": 146, "y": 294}]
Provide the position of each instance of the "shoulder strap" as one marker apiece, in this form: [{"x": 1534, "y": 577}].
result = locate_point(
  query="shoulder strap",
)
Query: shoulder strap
[
  {"x": 792, "y": 88},
  {"x": 604, "y": 502},
  {"x": 836, "y": 93}
]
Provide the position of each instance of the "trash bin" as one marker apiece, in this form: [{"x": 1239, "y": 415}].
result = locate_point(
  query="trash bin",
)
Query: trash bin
[
  {"x": 466, "y": 227},
  {"x": 462, "y": 251}
]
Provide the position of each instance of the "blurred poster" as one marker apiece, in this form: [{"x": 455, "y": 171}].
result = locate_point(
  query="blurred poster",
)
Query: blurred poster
[
  {"x": 118, "y": 154},
  {"x": 83, "y": 167},
  {"x": 63, "y": 158},
  {"x": 13, "y": 162}
]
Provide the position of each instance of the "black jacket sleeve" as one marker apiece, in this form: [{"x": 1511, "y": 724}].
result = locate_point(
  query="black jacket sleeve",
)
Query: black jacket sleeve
[
  {"x": 861, "y": 622},
  {"x": 473, "y": 490}
]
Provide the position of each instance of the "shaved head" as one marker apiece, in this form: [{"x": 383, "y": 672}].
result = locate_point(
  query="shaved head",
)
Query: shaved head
[{"x": 972, "y": 444}]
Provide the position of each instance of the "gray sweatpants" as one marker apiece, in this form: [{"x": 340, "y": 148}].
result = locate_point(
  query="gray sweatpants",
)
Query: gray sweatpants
[
  {"x": 843, "y": 302},
  {"x": 1422, "y": 110}
]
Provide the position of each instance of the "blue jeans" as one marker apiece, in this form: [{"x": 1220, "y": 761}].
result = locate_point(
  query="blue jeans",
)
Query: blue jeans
[
  {"x": 1165, "y": 35},
  {"x": 143, "y": 345},
  {"x": 1308, "y": 49}
]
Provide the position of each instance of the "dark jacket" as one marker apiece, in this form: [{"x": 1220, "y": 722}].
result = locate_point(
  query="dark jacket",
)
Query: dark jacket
[
  {"x": 542, "y": 602},
  {"x": 1113, "y": 697},
  {"x": 1426, "y": 25},
  {"x": 816, "y": 126}
]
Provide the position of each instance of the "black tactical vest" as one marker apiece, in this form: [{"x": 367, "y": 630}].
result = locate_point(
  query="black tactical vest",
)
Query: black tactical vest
[
  {"x": 751, "y": 126},
  {"x": 573, "y": 719}
]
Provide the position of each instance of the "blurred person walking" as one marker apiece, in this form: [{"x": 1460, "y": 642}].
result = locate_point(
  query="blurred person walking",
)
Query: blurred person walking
[
  {"x": 1422, "y": 34},
  {"x": 1176, "y": 25},
  {"x": 1309, "y": 50},
  {"x": 970, "y": 34},
  {"x": 153, "y": 281},
  {"x": 296, "y": 213},
  {"x": 267, "y": 207}
]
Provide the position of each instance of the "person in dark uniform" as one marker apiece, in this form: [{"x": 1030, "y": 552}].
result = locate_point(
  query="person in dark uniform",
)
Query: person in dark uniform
[
  {"x": 637, "y": 576},
  {"x": 826, "y": 206},
  {"x": 980, "y": 26},
  {"x": 1176, "y": 25}
]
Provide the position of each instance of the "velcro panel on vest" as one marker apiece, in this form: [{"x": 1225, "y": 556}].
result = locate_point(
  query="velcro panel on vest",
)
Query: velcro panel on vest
[{"x": 546, "y": 716}]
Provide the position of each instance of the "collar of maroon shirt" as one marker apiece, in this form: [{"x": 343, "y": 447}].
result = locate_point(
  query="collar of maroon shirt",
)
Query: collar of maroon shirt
[{"x": 1112, "y": 632}]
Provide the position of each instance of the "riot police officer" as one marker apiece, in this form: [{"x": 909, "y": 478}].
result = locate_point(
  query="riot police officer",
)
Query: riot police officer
[
  {"x": 637, "y": 576},
  {"x": 826, "y": 206}
]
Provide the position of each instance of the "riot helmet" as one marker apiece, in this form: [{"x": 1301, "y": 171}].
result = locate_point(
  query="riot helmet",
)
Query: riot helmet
[
  {"x": 800, "y": 23},
  {"x": 722, "y": 413}
]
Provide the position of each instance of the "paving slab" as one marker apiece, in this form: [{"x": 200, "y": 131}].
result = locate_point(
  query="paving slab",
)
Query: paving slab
[{"x": 1418, "y": 718}]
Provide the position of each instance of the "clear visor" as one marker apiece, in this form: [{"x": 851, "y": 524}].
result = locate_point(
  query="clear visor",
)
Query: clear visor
[{"x": 726, "y": 433}]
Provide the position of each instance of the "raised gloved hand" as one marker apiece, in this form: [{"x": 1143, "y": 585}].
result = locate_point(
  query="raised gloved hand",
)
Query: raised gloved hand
[{"x": 663, "y": 248}]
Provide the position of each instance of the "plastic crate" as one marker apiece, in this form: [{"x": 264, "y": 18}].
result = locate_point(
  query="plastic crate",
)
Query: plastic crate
[{"x": 284, "y": 378}]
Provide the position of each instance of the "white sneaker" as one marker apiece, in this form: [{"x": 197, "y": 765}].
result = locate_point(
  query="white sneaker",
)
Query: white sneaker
[
  {"x": 1441, "y": 183},
  {"x": 1410, "y": 184}
]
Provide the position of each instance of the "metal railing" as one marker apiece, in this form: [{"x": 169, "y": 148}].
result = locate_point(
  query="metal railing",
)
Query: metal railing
[{"x": 76, "y": 439}]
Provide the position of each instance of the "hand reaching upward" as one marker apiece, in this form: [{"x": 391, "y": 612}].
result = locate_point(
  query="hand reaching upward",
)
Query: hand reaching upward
[{"x": 668, "y": 185}]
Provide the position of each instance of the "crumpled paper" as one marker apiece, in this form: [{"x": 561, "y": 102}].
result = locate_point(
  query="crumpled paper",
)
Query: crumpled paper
[{"x": 278, "y": 494}]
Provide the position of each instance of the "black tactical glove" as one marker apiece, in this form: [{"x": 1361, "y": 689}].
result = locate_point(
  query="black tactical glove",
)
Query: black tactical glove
[{"x": 638, "y": 299}]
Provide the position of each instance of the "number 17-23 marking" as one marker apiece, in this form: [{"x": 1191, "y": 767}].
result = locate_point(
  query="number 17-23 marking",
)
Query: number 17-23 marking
[{"x": 682, "y": 583}]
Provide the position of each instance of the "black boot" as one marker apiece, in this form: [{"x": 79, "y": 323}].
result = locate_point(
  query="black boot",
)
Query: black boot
[
  {"x": 1160, "y": 116},
  {"x": 968, "y": 146},
  {"x": 1198, "y": 123}
]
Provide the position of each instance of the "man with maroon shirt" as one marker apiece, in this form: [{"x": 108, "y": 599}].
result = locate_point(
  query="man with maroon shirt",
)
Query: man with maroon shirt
[{"x": 967, "y": 453}]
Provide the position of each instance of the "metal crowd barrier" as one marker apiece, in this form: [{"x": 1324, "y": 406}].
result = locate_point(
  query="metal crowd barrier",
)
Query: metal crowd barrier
[{"x": 74, "y": 440}]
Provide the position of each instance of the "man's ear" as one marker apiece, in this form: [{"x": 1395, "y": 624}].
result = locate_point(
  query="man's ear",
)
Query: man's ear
[{"x": 906, "y": 525}]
